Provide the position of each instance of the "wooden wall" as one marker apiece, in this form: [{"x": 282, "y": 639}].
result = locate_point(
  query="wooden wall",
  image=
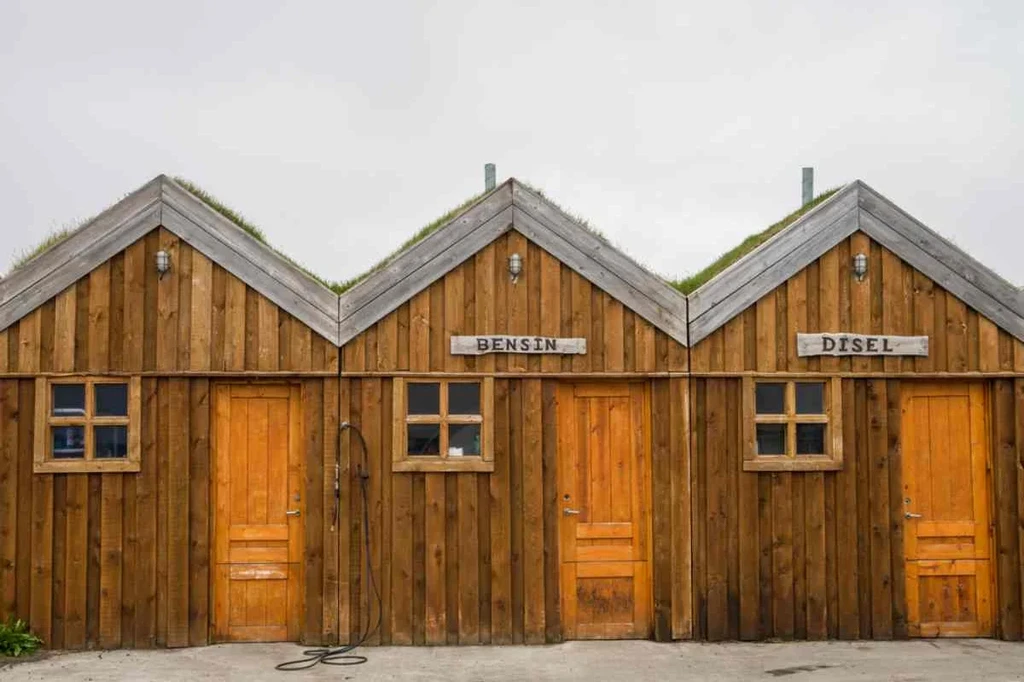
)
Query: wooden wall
[
  {"x": 816, "y": 555},
  {"x": 466, "y": 558},
  {"x": 893, "y": 298},
  {"x": 549, "y": 299},
  {"x": 197, "y": 318},
  {"x": 820, "y": 555},
  {"x": 122, "y": 560}
]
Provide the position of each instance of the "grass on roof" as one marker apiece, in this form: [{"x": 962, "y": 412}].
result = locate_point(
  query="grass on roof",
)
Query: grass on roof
[
  {"x": 421, "y": 234},
  {"x": 49, "y": 241},
  {"x": 688, "y": 285}
]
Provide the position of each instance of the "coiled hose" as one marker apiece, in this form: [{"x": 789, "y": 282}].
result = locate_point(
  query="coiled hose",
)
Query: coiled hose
[{"x": 343, "y": 655}]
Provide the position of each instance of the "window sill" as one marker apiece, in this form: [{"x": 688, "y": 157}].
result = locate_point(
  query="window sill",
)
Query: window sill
[
  {"x": 86, "y": 467},
  {"x": 799, "y": 463},
  {"x": 443, "y": 465}
]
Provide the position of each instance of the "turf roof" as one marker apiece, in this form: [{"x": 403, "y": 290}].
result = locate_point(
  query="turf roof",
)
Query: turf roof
[{"x": 686, "y": 284}]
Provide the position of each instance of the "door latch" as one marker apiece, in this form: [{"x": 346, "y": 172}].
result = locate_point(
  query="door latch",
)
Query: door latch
[
  {"x": 570, "y": 512},
  {"x": 912, "y": 515},
  {"x": 293, "y": 512}
]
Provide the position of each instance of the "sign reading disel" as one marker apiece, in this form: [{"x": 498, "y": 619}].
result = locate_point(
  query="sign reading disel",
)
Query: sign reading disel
[
  {"x": 860, "y": 344},
  {"x": 481, "y": 345}
]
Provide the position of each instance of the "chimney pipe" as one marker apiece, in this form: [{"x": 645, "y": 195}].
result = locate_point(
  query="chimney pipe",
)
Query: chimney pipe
[
  {"x": 808, "y": 185},
  {"x": 489, "y": 172}
]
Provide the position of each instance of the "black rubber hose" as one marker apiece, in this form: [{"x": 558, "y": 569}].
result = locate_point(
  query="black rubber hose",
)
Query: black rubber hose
[{"x": 343, "y": 655}]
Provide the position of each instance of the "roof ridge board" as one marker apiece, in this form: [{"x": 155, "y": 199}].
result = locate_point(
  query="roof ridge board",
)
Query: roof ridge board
[
  {"x": 206, "y": 241},
  {"x": 774, "y": 249},
  {"x": 876, "y": 203},
  {"x": 670, "y": 319},
  {"x": 949, "y": 278},
  {"x": 55, "y": 278},
  {"x": 706, "y": 321},
  {"x": 426, "y": 249},
  {"x": 26, "y": 275},
  {"x": 419, "y": 278},
  {"x": 613, "y": 258},
  {"x": 259, "y": 254},
  {"x": 823, "y": 206}
]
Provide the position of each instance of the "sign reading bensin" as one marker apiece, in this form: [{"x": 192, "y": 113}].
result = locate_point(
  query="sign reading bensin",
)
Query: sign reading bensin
[
  {"x": 860, "y": 344},
  {"x": 481, "y": 345}
]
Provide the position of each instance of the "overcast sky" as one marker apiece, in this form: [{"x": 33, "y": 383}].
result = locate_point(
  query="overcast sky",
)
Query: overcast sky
[{"x": 676, "y": 128}]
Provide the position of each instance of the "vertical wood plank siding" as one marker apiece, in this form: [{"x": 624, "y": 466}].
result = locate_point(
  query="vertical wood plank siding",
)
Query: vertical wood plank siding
[
  {"x": 821, "y": 554},
  {"x": 122, "y": 560},
  {"x": 473, "y": 558}
]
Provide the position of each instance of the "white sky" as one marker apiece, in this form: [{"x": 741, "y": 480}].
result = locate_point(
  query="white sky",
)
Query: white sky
[{"x": 676, "y": 128}]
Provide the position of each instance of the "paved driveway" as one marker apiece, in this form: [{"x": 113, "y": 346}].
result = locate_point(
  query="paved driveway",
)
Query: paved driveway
[{"x": 958, "y": 660}]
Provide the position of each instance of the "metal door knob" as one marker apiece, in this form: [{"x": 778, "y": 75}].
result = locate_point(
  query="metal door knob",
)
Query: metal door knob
[
  {"x": 293, "y": 512},
  {"x": 570, "y": 512}
]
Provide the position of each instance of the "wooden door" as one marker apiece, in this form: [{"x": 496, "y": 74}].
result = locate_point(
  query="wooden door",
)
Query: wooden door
[
  {"x": 258, "y": 507},
  {"x": 603, "y": 473},
  {"x": 946, "y": 510}
]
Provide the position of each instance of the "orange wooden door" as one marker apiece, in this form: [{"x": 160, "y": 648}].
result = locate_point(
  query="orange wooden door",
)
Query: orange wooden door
[
  {"x": 258, "y": 532},
  {"x": 946, "y": 510},
  {"x": 603, "y": 465}
]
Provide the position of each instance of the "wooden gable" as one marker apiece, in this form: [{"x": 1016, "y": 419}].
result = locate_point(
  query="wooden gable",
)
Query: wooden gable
[
  {"x": 478, "y": 297},
  {"x": 123, "y": 317},
  {"x": 512, "y": 206},
  {"x": 893, "y": 298}
]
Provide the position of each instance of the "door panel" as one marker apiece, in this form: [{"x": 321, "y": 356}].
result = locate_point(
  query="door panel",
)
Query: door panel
[
  {"x": 946, "y": 510},
  {"x": 604, "y": 528},
  {"x": 258, "y": 545}
]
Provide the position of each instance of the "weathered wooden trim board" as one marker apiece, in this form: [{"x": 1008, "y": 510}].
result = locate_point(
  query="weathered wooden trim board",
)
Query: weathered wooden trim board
[
  {"x": 857, "y": 207},
  {"x": 808, "y": 345}
]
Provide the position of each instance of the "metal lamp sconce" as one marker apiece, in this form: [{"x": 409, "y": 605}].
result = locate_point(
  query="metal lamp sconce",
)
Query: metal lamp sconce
[
  {"x": 163, "y": 262},
  {"x": 515, "y": 266},
  {"x": 860, "y": 266}
]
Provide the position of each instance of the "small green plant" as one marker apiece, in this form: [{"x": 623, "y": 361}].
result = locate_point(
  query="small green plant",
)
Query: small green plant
[{"x": 15, "y": 639}]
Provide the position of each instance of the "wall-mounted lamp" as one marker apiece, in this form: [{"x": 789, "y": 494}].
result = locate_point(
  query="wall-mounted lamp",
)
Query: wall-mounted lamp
[
  {"x": 515, "y": 266},
  {"x": 860, "y": 266},
  {"x": 163, "y": 262}
]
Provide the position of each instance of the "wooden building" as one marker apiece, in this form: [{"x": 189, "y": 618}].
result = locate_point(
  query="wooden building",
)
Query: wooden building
[{"x": 821, "y": 442}]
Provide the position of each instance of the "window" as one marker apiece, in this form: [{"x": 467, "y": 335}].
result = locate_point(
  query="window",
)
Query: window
[
  {"x": 792, "y": 425},
  {"x": 87, "y": 424},
  {"x": 443, "y": 425}
]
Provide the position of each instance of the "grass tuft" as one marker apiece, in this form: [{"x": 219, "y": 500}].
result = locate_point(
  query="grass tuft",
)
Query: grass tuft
[
  {"x": 421, "y": 234},
  {"x": 226, "y": 211},
  {"x": 688, "y": 285}
]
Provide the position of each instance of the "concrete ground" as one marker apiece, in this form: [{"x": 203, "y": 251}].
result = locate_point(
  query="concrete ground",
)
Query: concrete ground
[{"x": 958, "y": 660}]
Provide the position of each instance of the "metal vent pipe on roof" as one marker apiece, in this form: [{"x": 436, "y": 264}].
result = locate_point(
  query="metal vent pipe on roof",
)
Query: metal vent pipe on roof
[
  {"x": 489, "y": 176},
  {"x": 808, "y": 185}
]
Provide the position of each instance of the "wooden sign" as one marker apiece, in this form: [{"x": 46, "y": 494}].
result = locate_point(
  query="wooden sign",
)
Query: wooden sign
[
  {"x": 860, "y": 344},
  {"x": 480, "y": 345}
]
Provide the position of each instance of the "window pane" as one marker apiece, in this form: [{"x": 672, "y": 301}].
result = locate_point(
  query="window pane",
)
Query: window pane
[
  {"x": 68, "y": 400},
  {"x": 771, "y": 439},
  {"x": 810, "y": 439},
  {"x": 424, "y": 399},
  {"x": 810, "y": 398},
  {"x": 424, "y": 439},
  {"x": 463, "y": 398},
  {"x": 770, "y": 398},
  {"x": 463, "y": 439},
  {"x": 111, "y": 400},
  {"x": 68, "y": 442},
  {"x": 111, "y": 442}
]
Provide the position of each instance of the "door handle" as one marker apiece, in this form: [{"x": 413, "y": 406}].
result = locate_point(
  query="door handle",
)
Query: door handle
[
  {"x": 293, "y": 512},
  {"x": 570, "y": 512},
  {"x": 912, "y": 515}
]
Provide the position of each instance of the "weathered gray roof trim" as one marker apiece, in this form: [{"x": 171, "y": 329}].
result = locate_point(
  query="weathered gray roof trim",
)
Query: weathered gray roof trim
[
  {"x": 508, "y": 206},
  {"x": 163, "y": 202},
  {"x": 855, "y": 207}
]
